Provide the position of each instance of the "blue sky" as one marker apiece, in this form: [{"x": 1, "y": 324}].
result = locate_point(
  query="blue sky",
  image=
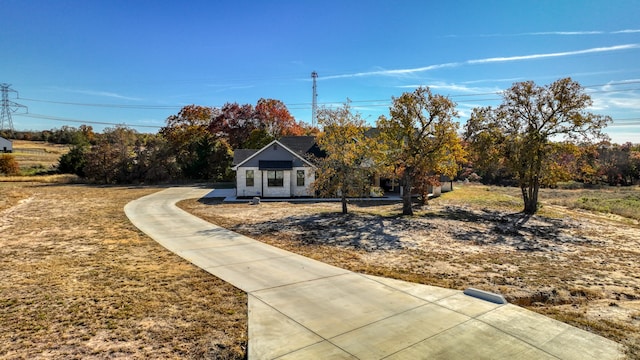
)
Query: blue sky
[{"x": 137, "y": 62}]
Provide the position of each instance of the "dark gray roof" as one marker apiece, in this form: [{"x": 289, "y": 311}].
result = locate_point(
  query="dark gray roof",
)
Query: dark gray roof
[
  {"x": 303, "y": 145},
  {"x": 372, "y": 132},
  {"x": 240, "y": 155}
]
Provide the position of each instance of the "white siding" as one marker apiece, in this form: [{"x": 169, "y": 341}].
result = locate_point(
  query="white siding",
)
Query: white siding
[
  {"x": 260, "y": 186},
  {"x": 241, "y": 180},
  {"x": 447, "y": 186},
  {"x": 305, "y": 190},
  {"x": 5, "y": 145}
]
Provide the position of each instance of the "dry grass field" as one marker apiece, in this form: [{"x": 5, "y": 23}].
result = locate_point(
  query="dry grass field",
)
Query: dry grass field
[
  {"x": 578, "y": 266},
  {"x": 37, "y": 156},
  {"x": 80, "y": 282}
]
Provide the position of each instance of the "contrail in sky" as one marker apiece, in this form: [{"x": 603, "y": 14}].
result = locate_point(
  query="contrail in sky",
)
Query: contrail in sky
[{"x": 481, "y": 61}]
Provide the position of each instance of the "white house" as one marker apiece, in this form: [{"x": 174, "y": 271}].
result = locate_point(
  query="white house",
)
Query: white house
[
  {"x": 6, "y": 146},
  {"x": 280, "y": 169}
]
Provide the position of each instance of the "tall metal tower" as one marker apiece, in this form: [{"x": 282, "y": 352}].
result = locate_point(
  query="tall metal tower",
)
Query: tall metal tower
[
  {"x": 314, "y": 103},
  {"x": 8, "y": 107}
]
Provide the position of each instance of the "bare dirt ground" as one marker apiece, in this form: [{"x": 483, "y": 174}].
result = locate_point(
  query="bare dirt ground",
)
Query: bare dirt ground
[
  {"x": 79, "y": 281},
  {"x": 579, "y": 267}
]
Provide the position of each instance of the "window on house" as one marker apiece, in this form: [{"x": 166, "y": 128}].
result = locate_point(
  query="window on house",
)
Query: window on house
[
  {"x": 275, "y": 178},
  {"x": 300, "y": 177},
  {"x": 249, "y": 178}
]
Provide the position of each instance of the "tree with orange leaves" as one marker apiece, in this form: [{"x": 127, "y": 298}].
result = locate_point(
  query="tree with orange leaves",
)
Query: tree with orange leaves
[{"x": 421, "y": 141}]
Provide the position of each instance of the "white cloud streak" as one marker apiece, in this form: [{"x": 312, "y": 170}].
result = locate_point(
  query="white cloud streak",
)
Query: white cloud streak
[
  {"x": 556, "y": 33},
  {"x": 564, "y": 33},
  {"x": 100, "y": 93},
  {"x": 628, "y": 31},
  {"x": 404, "y": 72},
  {"x": 112, "y": 95},
  {"x": 223, "y": 88},
  {"x": 457, "y": 88},
  {"x": 390, "y": 72},
  {"x": 551, "y": 55},
  {"x": 493, "y": 80}
]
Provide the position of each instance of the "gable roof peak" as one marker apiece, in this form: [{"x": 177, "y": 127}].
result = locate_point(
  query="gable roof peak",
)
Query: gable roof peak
[{"x": 294, "y": 153}]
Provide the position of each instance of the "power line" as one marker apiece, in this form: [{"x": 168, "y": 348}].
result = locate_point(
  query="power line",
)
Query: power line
[
  {"x": 55, "y": 118},
  {"x": 12, "y": 106},
  {"x": 121, "y": 106},
  {"x": 307, "y": 105}
]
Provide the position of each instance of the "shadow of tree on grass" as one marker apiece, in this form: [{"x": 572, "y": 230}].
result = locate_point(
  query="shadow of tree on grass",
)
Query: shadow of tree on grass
[
  {"x": 359, "y": 231},
  {"x": 518, "y": 230},
  {"x": 395, "y": 232}
]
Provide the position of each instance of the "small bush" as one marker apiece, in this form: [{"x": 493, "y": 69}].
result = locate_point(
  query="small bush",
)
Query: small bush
[
  {"x": 570, "y": 185},
  {"x": 9, "y": 165},
  {"x": 37, "y": 169},
  {"x": 376, "y": 191},
  {"x": 626, "y": 206}
]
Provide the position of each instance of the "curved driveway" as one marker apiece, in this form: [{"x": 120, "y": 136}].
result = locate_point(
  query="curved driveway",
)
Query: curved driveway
[{"x": 300, "y": 308}]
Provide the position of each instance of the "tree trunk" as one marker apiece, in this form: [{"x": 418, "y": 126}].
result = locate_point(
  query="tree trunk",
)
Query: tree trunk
[
  {"x": 343, "y": 198},
  {"x": 530, "y": 205},
  {"x": 530, "y": 197},
  {"x": 407, "y": 209},
  {"x": 423, "y": 199}
]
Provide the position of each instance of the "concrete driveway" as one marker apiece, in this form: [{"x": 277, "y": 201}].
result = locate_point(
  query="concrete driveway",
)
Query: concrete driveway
[{"x": 300, "y": 308}]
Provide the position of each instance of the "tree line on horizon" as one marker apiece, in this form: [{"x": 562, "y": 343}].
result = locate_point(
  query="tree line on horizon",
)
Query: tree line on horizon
[{"x": 537, "y": 137}]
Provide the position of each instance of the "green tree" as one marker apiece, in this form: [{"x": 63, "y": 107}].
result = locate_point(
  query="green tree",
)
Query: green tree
[
  {"x": 520, "y": 132},
  {"x": 154, "y": 160},
  {"x": 201, "y": 150},
  {"x": 619, "y": 163},
  {"x": 421, "y": 141},
  {"x": 74, "y": 161},
  {"x": 111, "y": 159},
  {"x": 206, "y": 157},
  {"x": 191, "y": 121},
  {"x": 345, "y": 169},
  {"x": 258, "y": 139}
]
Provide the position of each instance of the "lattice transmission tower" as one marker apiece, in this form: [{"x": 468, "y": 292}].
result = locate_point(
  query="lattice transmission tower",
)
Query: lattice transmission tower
[
  {"x": 8, "y": 107},
  {"x": 314, "y": 103}
]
